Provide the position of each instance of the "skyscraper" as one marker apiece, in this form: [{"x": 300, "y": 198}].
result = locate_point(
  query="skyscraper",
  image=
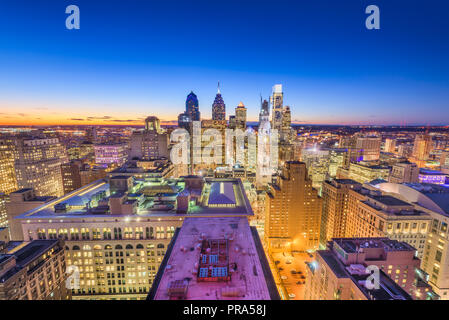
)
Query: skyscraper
[
  {"x": 151, "y": 143},
  {"x": 219, "y": 107},
  {"x": 240, "y": 116},
  {"x": 38, "y": 165},
  {"x": 192, "y": 107},
  {"x": 277, "y": 102},
  {"x": 293, "y": 211},
  {"x": 421, "y": 149},
  {"x": 8, "y": 182}
]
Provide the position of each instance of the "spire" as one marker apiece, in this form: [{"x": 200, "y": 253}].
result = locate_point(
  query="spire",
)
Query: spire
[{"x": 218, "y": 90}]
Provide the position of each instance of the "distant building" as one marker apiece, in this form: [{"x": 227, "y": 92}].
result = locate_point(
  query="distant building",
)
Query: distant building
[
  {"x": 111, "y": 153},
  {"x": 151, "y": 143},
  {"x": 192, "y": 107},
  {"x": 240, "y": 117},
  {"x": 76, "y": 174},
  {"x": 38, "y": 165},
  {"x": 422, "y": 147},
  {"x": 390, "y": 145},
  {"x": 218, "y": 107},
  {"x": 8, "y": 181},
  {"x": 432, "y": 176},
  {"x": 404, "y": 172},
  {"x": 34, "y": 271}
]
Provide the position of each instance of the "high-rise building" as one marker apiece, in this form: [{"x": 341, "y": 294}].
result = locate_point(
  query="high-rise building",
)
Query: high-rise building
[
  {"x": 421, "y": 149},
  {"x": 192, "y": 107},
  {"x": 362, "y": 147},
  {"x": 34, "y": 270},
  {"x": 111, "y": 153},
  {"x": 38, "y": 165},
  {"x": 8, "y": 181},
  {"x": 277, "y": 104},
  {"x": 293, "y": 211},
  {"x": 218, "y": 107},
  {"x": 240, "y": 117},
  {"x": 151, "y": 143},
  {"x": 264, "y": 168},
  {"x": 390, "y": 145},
  {"x": 335, "y": 212},
  {"x": 76, "y": 174},
  {"x": 345, "y": 272},
  {"x": 404, "y": 172},
  {"x": 376, "y": 215}
]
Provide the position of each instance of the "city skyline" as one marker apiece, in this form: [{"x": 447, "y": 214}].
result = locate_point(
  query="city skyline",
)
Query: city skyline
[{"x": 118, "y": 69}]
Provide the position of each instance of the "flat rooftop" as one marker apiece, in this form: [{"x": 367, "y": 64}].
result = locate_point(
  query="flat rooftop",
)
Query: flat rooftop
[
  {"x": 390, "y": 201},
  {"x": 219, "y": 197},
  {"x": 238, "y": 250},
  {"x": 351, "y": 245}
]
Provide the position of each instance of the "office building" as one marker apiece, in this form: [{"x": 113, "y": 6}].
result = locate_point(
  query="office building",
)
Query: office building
[
  {"x": 293, "y": 211},
  {"x": 151, "y": 143},
  {"x": 34, "y": 270},
  {"x": 219, "y": 107},
  {"x": 345, "y": 272},
  {"x": 38, "y": 165},
  {"x": 8, "y": 181},
  {"x": 115, "y": 154},
  {"x": 240, "y": 117},
  {"x": 404, "y": 172}
]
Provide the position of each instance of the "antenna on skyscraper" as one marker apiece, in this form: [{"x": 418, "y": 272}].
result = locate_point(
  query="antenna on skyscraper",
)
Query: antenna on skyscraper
[{"x": 218, "y": 90}]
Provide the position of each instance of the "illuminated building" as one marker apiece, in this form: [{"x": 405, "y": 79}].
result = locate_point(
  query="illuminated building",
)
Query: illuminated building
[
  {"x": 432, "y": 176},
  {"x": 292, "y": 220},
  {"x": 38, "y": 165},
  {"x": 277, "y": 103},
  {"x": 216, "y": 255},
  {"x": 151, "y": 143},
  {"x": 336, "y": 160},
  {"x": 192, "y": 108},
  {"x": 240, "y": 117},
  {"x": 405, "y": 150},
  {"x": 340, "y": 272},
  {"x": 111, "y": 153},
  {"x": 76, "y": 174},
  {"x": 3, "y": 213},
  {"x": 8, "y": 182},
  {"x": 34, "y": 271},
  {"x": 432, "y": 199},
  {"x": 364, "y": 172},
  {"x": 219, "y": 107},
  {"x": 377, "y": 215},
  {"x": 264, "y": 168},
  {"x": 117, "y": 231},
  {"x": 335, "y": 212},
  {"x": 317, "y": 164},
  {"x": 390, "y": 145},
  {"x": 362, "y": 147},
  {"x": 422, "y": 147},
  {"x": 404, "y": 172}
]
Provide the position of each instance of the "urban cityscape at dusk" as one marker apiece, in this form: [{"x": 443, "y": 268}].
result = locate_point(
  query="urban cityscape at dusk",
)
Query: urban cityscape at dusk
[{"x": 236, "y": 151}]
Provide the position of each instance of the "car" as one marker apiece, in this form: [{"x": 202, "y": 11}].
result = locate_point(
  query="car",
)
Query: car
[
  {"x": 298, "y": 282},
  {"x": 291, "y": 295},
  {"x": 283, "y": 277},
  {"x": 277, "y": 262},
  {"x": 280, "y": 269},
  {"x": 288, "y": 261},
  {"x": 293, "y": 271},
  {"x": 299, "y": 272},
  {"x": 302, "y": 277}
]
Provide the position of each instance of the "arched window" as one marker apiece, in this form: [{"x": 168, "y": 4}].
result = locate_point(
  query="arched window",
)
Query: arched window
[
  {"x": 128, "y": 246},
  {"x": 97, "y": 247},
  {"x": 139, "y": 246},
  {"x": 118, "y": 247},
  {"x": 75, "y": 248},
  {"x": 87, "y": 247},
  {"x": 108, "y": 247},
  {"x": 160, "y": 246}
]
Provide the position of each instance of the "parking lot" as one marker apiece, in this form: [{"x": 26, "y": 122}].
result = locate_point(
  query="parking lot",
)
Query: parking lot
[{"x": 292, "y": 269}]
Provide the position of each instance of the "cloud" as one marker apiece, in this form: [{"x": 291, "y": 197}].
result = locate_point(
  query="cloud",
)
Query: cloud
[
  {"x": 76, "y": 119},
  {"x": 100, "y": 118}
]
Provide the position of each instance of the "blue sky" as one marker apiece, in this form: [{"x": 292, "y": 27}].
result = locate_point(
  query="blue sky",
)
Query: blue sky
[{"x": 136, "y": 58}]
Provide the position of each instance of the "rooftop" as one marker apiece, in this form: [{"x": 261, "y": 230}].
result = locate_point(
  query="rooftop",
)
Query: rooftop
[{"x": 214, "y": 259}]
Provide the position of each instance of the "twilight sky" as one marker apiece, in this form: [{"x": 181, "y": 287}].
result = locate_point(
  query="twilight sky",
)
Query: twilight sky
[{"x": 135, "y": 58}]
